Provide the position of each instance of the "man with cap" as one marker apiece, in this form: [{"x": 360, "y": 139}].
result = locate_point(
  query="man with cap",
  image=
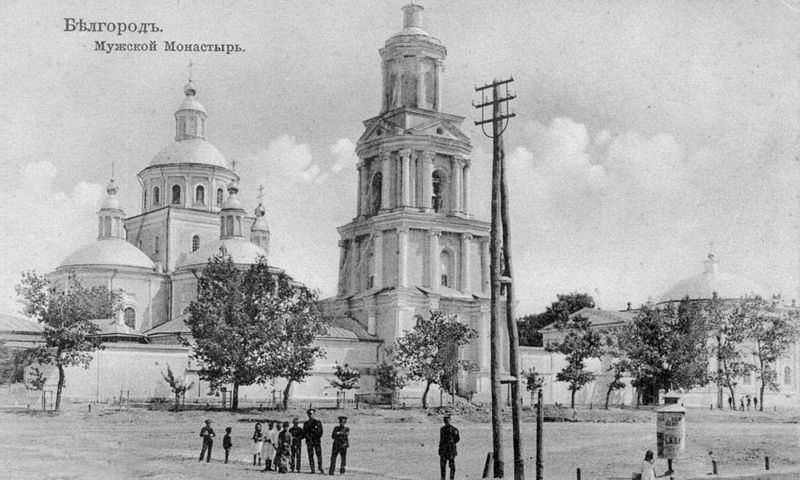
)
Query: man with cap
[
  {"x": 340, "y": 443},
  {"x": 297, "y": 444},
  {"x": 312, "y": 431},
  {"x": 448, "y": 438},
  {"x": 207, "y": 434}
]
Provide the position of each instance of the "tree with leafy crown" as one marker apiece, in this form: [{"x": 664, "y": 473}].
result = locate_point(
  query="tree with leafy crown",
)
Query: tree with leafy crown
[
  {"x": 345, "y": 379},
  {"x": 429, "y": 352},
  {"x": 772, "y": 332},
  {"x": 65, "y": 311},
  {"x": 178, "y": 386},
  {"x": 558, "y": 312},
  {"x": 252, "y": 325},
  {"x": 729, "y": 322},
  {"x": 579, "y": 344}
]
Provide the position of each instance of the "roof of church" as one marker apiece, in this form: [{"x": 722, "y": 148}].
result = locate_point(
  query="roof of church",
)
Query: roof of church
[
  {"x": 599, "y": 318},
  {"x": 110, "y": 327},
  {"x": 241, "y": 251},
  {"x": 347, "y": 328},
  {"x": 192, "y": 150},
  {"x": 109, "y": 252},
  {"x": 704, "y": 285},
  {"x": 9, "y": 323},
  {"x": 173, "y": 327}
]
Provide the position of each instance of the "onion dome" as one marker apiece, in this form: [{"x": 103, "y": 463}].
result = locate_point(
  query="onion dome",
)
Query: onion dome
[
  {"x": 259, "y": 232},
  {"x": 111, "y": 249},
  {"x": 190, "y": 145},
  {"x": 704, "y": 286},
  {"x": 412, "y": 26}
]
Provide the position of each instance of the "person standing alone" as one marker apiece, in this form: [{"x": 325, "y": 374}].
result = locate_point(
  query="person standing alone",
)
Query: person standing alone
[
  {"x": 312, "y": 431},
  {"x": 341, "y": 441},
  {"x": 448, "y": 438},
  {"x": 207, "y": 434}
]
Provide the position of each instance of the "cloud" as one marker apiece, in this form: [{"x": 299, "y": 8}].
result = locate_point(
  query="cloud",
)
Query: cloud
[
  {"x": 50, "y": 223},
  {"x": 626, "y": 215},
  {"x": 344, "y": 154}
]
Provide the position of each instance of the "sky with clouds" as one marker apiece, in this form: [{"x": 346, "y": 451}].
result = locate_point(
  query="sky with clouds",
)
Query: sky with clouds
[{"x": 644, "y": 130}]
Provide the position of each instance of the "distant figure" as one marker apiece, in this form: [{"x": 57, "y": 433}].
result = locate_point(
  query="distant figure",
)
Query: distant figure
[
  {"x": 730, "y": 402},
  {"x": 207, "y": 434},
  {"x": 258, "y": 444},
  {"x": 755, "y": 403},
  {"x": 270, "y": 445},
  {"x": 741, "y": 404},
  {"x": 226, "y": 442},
  {"x": 448, "y": 438},
  {"x": 340, "y": 443},
  {"x": 748, "y": 403},
  {"x": 312, "y": 431},
  {"x": 284, "y": 449},
  {"x": 648, "y": 466},
  {"x": 297, "y": 444}
]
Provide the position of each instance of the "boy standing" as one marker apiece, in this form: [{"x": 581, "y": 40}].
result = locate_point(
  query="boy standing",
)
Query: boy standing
[
  {"x": 340, "y": 443},
  {"x": 226, "y": 443},
  {"x": 297, "y": 443}
]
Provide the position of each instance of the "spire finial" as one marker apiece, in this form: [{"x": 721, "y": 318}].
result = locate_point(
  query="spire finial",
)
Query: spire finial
[
  {"x": 711, "y": 249},
  {"x": 261, "y": 193},
  {"x": 190, "y": 70},
  {"x": 111, "y": 188}
]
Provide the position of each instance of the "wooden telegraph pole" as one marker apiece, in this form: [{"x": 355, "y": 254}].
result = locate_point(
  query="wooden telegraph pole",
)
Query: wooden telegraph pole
[{"x": 500, "y": 252}]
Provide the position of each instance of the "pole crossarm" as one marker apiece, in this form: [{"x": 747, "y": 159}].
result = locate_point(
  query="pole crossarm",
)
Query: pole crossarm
[
  {"x": 492, "y": 102},
  {"x": 501, "y": 117},
  {"x": 495, "y": 83}
]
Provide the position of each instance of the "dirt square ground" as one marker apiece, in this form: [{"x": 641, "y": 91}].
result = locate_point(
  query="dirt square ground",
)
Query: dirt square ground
[{"x": 401, "y": 444}]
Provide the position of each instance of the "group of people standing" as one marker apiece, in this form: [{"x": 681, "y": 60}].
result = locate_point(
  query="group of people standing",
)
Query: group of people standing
[
  {"x": 280, "y": 446},
  {"x": 732, "y": 403}
]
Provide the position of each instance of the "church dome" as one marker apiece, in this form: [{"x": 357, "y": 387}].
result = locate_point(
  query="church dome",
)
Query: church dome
[
  {"x": 241, "y": 251},
  {"x": 703, "y": 286},
  {"x": 194, "y": 150},
  {"x": 412, "y": 26},
  {"x": 110, "y": 252}
]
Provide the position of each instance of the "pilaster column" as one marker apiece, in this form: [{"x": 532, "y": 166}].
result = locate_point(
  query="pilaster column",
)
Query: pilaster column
[
  {"x": 437, "y": 79},
  {"x": 420, "y": 87},
  {"x": 466, "y": 187},
  {"x": 342, "y": 266},
  {"x": 402, "y": 257},
  {"x": 405, "y": 156},
  {"x": 386, "y": 181},
  {"x": 377, "y": 252},
  {"x": 360, "y": 199},
  {"x": 457, "y": 179},
  {"x": 412, "y": 185},
  {"x": 385, "y": 89},
  {"x": 485, "y": 265},
  {"x": 427, "y": 180},
  {"x": 466, "y": 240},
  {"x": 433, "y": 246}
]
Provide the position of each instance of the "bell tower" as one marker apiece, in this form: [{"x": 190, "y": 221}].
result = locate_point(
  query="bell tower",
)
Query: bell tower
[{"x": 413, "y": 245}]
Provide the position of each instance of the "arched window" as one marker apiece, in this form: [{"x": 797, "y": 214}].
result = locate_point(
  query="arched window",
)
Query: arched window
[
  {"x": 156, "y": 196},
  {"x": 375, "y": 193},
  {"x": 229, "y": 225},
  {"x": 195, "y": 243},
  {"x": 437, "y": 192},
  {"x": 129, "y": 316},
  {"x": 106, "y": 226},
  {"x": 155, "y": 244},
  {"x": 176, "y": 194},
  {"x": 181, "y": 126},
  {"x": 192, "y": 126},
  {"x": 200, "y": 195},
  {"x": 446, "y": 269},
  {"x": 787, "y": 375},
  {"x": 144, "y": 199},
  {"x": 219, "y": 197}
]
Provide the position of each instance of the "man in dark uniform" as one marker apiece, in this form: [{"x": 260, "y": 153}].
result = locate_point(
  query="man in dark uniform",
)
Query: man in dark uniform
[
  {"x": 312, "y": 431},
  {"x": 448, "y": 438},
  {"x": 340, "y": 443},
  {"x": 297, "y": 444},
  {"x": 207, "y": 434}
]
